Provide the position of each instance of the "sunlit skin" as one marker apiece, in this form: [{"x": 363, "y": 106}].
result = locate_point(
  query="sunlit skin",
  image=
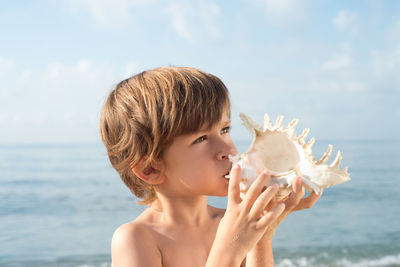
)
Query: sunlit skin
[
  {"x": 196, "y": 164},
  {"x": 181, "y": 229}
]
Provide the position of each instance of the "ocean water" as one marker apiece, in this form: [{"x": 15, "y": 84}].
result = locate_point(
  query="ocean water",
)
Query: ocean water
[{"x": 59, "y": 206}]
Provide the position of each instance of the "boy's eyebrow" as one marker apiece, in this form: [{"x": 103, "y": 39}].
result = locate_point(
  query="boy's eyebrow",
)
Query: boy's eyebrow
[{"x": 223, "y": 122}]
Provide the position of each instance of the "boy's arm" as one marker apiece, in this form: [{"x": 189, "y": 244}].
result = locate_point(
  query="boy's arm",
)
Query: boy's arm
[
  {"x": 262, "y": 253},
  {"x": 132, "y": 245}
]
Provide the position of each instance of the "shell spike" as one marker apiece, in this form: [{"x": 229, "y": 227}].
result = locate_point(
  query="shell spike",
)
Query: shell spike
[
  {"x": 336, "y": 162},
  {"x": 266, "y": 122},
  {"x": 291, "y": 126},
  {"x": 249, "y": 123},
  {"x": 326, "y": 156},
  {"x": 310, "y": 143},
  {"x": 278, "y": 123},
  {"x": 303, "y": 135}
]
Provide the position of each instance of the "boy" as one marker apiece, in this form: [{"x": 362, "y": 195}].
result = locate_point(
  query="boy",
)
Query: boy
[{"x": 167, "y": 134}]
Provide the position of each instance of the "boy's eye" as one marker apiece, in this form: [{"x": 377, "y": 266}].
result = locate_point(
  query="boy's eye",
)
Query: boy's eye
[
  {"x": 226, "y": 129},
  {"x": 200, "y": 139}
]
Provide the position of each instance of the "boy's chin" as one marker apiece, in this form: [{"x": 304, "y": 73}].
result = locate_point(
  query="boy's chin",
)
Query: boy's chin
[{"x": 222, "y": 193}]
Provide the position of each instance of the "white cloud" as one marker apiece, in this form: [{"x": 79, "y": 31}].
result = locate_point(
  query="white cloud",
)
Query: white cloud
[
  {"x": 60, "y": 102},
  {"x": 341, "y": 60},
  {"x": 385, "y": 65},
  {"x": 393, "y": 34},
  {"x": 53, "y": 71},
  {"x": 385, "y": 61},
  {"x": 195, "y": 21},
  {"x": 338, "y": 84},
  {"x": 337, "y": 63},
  {"x": 84, "y": 72},
  {"x": 25, "y": 76},
  {"x": 6, "y": 65},
  {"x": 131, "y": 68},
  {"x": 192, "y": 20},
  {"x": 346, "y": 21},
  {"x": 378, "y": 71},
  {"x": 280, "y": 7},
  {"x": 110, "y": 13},
  {"x": 209, "y": 14},
  {"x": 178, "y": 17},
  {"x": 284, "y": 11},
  {"x": 339, "y": 74}
]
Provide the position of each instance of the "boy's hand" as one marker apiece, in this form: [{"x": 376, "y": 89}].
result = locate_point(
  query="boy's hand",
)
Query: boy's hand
[
  {"x": 294, "y": 202},
  {"x": 262, "y": 254},
  {"x": 245, "y": 221}
]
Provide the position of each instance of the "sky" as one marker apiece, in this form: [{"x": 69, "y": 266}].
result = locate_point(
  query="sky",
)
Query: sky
[{"x": 334, "y": 65}]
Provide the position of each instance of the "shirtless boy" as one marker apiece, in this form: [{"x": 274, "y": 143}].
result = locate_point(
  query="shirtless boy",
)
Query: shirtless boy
[{"x": 166, "y": 132}]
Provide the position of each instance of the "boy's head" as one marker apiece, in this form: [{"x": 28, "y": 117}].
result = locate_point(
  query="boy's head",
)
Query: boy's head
[{"x": 143, "y": 114}]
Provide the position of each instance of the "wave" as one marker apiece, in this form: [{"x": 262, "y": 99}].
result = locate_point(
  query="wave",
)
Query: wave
[
  {"x": 384, "y": 261},
  {"x": 316, "y": 261}
]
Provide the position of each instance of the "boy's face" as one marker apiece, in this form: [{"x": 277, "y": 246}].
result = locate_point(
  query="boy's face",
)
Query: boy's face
[{"x": 196, "y": 163}]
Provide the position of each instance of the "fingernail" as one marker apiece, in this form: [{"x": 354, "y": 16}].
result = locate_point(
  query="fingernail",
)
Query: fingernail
[
  {"x": 297, "y": 185},
  {"x": 300, "y": 183}
]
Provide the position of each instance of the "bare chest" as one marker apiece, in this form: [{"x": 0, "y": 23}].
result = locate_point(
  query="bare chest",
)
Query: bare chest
[{"x": 186, "y": 248}]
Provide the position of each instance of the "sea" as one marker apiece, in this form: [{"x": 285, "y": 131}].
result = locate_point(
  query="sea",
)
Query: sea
[{"x": 60, "y": 204}]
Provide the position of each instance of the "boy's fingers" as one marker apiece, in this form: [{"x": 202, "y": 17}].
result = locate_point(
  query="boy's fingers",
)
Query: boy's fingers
[
  {"x": 298, "y": 184},
  {"x": 234, "y": 187},
  {"x": 308, "y": 202},
  {"x": 271, "y": 215},
  {"x": 295, "y": 197},
  {"x": 263, "y": 200},
  {"x": 256, "y": 188}
]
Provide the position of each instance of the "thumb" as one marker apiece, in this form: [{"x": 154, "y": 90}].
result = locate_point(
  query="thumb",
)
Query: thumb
[{"x": 234, "y": 185}]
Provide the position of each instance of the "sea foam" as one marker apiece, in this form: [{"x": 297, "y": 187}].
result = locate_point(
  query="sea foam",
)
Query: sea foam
[{"x": 385, "y": 261}]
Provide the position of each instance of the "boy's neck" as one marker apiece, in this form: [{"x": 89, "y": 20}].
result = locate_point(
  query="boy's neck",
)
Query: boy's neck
[{"x": 192, "y": 211}]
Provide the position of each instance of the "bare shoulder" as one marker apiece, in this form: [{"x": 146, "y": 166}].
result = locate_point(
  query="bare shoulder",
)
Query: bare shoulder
[
  {"x": 126, "y": 234},
  {"x": 133, "y": 244}
]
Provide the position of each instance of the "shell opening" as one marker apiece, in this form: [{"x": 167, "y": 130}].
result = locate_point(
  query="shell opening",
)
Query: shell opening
[{"x": 275, "y": 152}]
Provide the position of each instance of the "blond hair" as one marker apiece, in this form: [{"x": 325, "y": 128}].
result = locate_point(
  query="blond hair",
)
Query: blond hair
[{"x": 143, "y": 114}]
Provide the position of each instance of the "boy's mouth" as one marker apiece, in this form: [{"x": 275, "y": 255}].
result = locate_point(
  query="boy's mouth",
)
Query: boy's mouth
[{"x": 227, "y": 173}]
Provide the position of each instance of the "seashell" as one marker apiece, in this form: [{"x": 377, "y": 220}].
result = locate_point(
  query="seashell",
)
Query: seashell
[{"x": 279, "y": 150}]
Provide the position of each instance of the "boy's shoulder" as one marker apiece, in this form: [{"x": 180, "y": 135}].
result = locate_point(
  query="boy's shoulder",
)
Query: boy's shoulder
[
  {"x": 133, "y": 242},
  {"x": 137, "y": 228},
  {"x": 130, "y": 231}
]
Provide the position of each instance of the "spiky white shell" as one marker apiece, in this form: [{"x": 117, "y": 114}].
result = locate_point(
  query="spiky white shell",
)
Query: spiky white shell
[{"x": 278, "y": 149}]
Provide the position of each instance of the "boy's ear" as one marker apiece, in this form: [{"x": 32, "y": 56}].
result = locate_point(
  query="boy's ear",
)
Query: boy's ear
[{"x": 150, "y": 174}]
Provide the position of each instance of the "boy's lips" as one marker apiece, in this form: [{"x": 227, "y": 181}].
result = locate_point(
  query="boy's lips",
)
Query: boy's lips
[{"x": 226, "y": 175}]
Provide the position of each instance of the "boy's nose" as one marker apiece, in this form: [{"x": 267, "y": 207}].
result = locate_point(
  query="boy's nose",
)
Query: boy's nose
[{"x": 229, "y": 150}]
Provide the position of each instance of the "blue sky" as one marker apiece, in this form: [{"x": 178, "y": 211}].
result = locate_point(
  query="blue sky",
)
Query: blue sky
[{"x": 334, "y": 65}]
